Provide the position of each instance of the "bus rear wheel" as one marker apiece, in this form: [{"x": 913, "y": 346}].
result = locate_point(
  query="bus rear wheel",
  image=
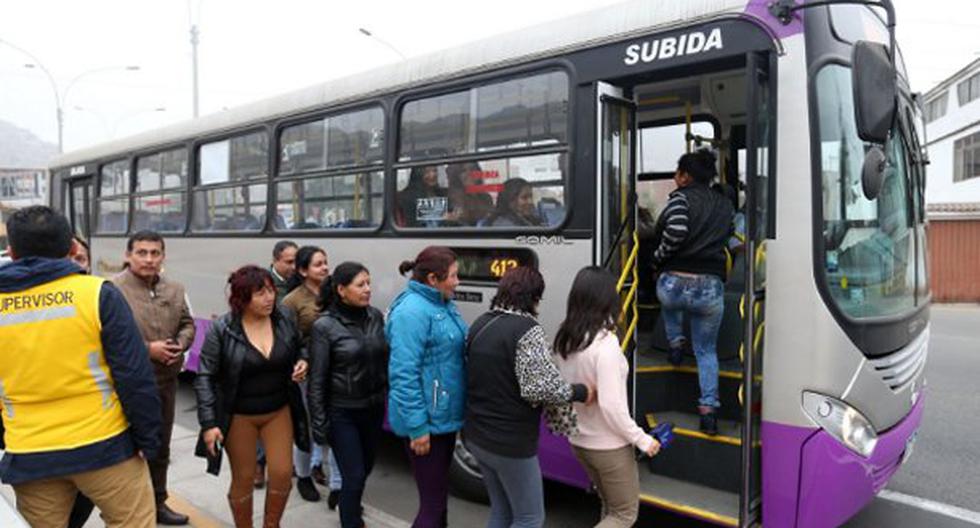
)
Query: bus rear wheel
[{"x": 465, "y": 479}]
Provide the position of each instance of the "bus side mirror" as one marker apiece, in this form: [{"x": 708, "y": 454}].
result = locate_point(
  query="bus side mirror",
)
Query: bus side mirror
[
  {"x": 873, "y": 172},
  {"x": 875, "y": 91}
]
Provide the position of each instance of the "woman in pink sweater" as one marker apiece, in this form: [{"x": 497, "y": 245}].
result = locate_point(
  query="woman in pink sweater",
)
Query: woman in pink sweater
[{"x": 590, "y": 354}]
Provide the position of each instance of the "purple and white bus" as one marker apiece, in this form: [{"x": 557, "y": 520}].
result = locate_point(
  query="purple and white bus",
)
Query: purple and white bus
[{"x": 826, "y": 324}]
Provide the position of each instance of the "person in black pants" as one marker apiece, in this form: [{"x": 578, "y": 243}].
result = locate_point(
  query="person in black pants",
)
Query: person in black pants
[{"x": 349, "y": 374}]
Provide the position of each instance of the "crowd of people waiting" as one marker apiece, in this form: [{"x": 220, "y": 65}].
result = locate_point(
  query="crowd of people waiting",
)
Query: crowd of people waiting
[{"x": 303, "y": 360}]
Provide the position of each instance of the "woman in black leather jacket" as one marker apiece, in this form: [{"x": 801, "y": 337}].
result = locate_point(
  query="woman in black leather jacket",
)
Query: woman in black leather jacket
[
  {"x": 348, "y": 378},
  {"x": 246, "y": 389}
]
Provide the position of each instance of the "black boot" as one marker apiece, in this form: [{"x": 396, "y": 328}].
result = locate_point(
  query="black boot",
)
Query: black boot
[
  {"x": 168, "y": 517},
  {"x": 709, "y": 420},
  {"x": 307, "y": 489},
  {"x": 333, "y": 499}
]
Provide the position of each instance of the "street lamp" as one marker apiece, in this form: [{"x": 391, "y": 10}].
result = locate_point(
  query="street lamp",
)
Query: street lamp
[
  {"x": 368, "y": 34},
  {"x": 61, "y": 97}
]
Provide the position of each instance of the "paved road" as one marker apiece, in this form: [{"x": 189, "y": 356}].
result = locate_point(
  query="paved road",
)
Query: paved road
[
  {"x": 942, "y": 469},
  {"x": 947, "y": 453}
]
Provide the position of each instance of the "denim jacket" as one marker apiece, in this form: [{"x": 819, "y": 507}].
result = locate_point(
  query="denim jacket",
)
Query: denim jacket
[{"x": 426, "y": 371}]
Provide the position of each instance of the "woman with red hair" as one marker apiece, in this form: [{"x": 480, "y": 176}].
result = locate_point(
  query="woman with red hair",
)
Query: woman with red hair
[{"x": 246, "y": 390}]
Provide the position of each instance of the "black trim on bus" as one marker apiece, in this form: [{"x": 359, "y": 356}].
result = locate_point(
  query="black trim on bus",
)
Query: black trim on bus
[
  {"x": 773, "y": 178},
  {"x": 873, "y": 336}
]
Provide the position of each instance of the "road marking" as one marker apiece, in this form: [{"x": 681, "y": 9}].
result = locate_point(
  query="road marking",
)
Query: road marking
[
  {"x": 948, "y": 510},
  {"x": 381, "y": 518}
]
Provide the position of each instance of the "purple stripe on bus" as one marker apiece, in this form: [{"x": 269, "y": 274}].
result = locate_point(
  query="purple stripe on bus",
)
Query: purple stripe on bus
[
  {"x": 833, "y": 482},
  {"x": 759, "y": 9},
  {"x": 193, "y": 359},
  {"x": 558, "y": 462}
]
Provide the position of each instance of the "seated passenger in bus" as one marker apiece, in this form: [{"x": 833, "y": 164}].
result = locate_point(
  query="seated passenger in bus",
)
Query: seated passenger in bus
[
  {"x": 423, "y": 203},
  {"x": 515, "y": 206},
  {"x": 693, "y": 230},
  {"x": 466, "y": 200}
]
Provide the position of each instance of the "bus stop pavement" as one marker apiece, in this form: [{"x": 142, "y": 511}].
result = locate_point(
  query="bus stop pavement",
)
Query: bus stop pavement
[{"x": 203, "y": 497}]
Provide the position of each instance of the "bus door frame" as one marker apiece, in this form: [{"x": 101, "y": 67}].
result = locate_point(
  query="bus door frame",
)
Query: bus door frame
[
  {"x": 86, "y": 184},
  {"x": 611, "y": 98},
  {"x": 760, "y": 78}
]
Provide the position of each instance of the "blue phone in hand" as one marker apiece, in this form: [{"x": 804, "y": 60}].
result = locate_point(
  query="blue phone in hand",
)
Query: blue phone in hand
[{"x": 664, "y": 433}]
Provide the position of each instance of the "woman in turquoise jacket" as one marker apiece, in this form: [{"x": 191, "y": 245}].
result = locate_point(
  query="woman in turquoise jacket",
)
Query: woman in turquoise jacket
[{"x": 426, "y": 376}]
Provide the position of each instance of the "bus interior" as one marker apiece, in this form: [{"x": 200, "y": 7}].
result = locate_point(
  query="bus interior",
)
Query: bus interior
[{"x": 699, "y": 475}]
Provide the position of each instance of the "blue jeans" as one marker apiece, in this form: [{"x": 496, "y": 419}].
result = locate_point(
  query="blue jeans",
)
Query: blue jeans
[
  {"x": 701, "y": 298},
  {"x": 354, "y": 435},
  {"x": 303, "y": 463},
  {"x": 515, "y": 489}
]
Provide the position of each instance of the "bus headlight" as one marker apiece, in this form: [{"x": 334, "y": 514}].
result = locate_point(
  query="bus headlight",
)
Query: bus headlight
[{"x": 842, "y": 421}]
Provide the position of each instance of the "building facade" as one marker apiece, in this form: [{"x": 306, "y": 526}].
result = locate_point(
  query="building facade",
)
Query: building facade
[
  {"x": 20, "y": 188},
  {"x": 952, "y": 113}
]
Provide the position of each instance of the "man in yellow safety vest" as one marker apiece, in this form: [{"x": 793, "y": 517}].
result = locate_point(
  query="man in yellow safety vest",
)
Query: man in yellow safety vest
[{"x": 77, "y": 395}]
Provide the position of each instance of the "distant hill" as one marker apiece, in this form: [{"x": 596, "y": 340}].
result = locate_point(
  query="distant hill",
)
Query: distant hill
[{"x": 19, "y": 148}]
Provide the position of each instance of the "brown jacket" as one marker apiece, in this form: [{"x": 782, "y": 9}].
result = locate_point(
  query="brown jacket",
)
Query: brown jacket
[
  {"x": 161, "y": 313},
  {"x": 302, "y": 302}
]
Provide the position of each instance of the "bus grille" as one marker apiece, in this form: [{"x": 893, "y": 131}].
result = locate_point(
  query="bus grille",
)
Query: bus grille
[{"x": 899, "y": 369}]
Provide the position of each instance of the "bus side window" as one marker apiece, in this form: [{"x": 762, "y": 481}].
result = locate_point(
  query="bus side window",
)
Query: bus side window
[{"x": 330, "y": 173}]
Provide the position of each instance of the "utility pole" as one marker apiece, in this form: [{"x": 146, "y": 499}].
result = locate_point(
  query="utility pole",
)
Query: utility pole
[{"x": 194, "y": 41}]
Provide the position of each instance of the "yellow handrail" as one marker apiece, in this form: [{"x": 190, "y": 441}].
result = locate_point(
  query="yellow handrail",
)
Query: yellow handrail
[
  {"x": 630, "y": 270},
  {"x": 627, "y": 268},
  {"x": 627, "y": 301}
]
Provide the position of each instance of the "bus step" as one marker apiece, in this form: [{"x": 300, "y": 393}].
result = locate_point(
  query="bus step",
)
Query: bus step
[
  {"x": 662, "y": 387},
  {"x": 711, "y": 461},
  {"x": 687, "y": 498}
]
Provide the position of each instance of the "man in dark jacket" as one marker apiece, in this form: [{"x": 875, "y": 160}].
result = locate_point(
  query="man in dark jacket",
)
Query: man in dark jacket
[
  {"x": 690, "y": 238},
  {"x": 283, "y": 266},
  {"x": 76, "y": 389}
]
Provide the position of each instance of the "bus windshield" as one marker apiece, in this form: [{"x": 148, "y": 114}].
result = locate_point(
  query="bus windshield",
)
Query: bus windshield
[{"x": 868, "y": 245}]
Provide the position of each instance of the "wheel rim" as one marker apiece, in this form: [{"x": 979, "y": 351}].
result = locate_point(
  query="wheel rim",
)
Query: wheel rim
[{"x": 466, "y": 460}]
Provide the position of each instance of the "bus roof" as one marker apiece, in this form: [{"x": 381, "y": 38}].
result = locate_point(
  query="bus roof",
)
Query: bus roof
[{"x": 535, "y": 42}]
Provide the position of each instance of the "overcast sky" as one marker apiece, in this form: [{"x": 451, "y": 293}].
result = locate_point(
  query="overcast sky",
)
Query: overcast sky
[{"x": 251, "y": 49}]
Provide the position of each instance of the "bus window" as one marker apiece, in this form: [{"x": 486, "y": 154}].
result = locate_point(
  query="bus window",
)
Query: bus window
[
  {"x": 351, "y": 139},
  {"x": 527, "y": 191},
  {"x": 239, "y": 208},
  {"x": 330, "y": 202},
  {"x": 519, "y": 113},
  {"x": 308, "y": 199},
  {"x": 868, "y": 260},
  {"x": 524, "y": 191},
  {"x": 227, "y": 197},
  {"x": 113, "y": 203},
  {"x": 160, "y": 196},
  {"x": 236, "y": 159},
  {"x": 661, "y": 147}
]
